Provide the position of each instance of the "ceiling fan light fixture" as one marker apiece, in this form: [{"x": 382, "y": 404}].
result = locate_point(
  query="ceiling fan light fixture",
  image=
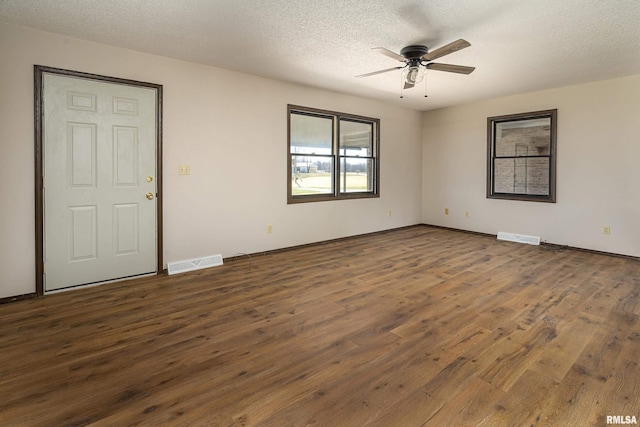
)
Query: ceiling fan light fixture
[
  {"x": 417, "y": 58},
  {"x": 413, "y": 74}
]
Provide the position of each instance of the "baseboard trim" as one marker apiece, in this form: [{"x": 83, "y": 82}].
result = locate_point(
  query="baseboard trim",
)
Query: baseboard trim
[
  {"x": 477, "y": 233},
  {"x": 319, "y": 243},
  {"x": 543, "y": 245},
  {"x": 16, "y": 298}
]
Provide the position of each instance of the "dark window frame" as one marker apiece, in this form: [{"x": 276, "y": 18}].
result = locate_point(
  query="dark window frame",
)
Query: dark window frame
[
  {"x": 337, "y": 157},
  {"x": 552, "y": 115}
]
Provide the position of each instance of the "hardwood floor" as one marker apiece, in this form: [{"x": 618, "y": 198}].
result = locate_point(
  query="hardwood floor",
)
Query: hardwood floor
[{"x": 418, "y": 326}]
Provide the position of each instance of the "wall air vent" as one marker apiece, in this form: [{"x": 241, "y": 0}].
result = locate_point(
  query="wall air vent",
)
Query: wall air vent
[
  {"x": 194, "y": 264},
  {"x": 518, "y": 238}
]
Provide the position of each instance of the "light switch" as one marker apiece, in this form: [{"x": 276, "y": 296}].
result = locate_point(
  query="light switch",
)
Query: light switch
[{"x": 184, "y": 170}]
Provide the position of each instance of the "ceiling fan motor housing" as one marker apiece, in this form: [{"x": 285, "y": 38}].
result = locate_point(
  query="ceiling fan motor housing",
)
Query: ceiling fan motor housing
[
  {"x": 417, "y": 59},
  {"x": 414, "y": 52}
]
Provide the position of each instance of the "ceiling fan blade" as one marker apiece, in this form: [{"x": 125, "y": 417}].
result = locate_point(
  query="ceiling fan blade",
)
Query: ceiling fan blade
[
  {"x": 446, "y": 49},
  {"x": 379, "y": 72},
  {"x": 460, "y": 69},
  {"x": 390, "y": 54}
]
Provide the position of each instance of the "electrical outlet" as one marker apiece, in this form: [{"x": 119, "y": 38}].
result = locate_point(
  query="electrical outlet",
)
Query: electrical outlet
[
  {"x": 606, "y": 230},
  {"x": 466, "y": 214},
  {"x": 269, "y": 229},
  {"x": 446, "y": 211}
]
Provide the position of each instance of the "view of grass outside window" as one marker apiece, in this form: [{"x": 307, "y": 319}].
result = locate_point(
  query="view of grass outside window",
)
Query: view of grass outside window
[{"x": 331, "y": 155}]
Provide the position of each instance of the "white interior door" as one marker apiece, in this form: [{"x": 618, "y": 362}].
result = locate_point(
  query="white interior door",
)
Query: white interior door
[{"x": 99, "y": 150}]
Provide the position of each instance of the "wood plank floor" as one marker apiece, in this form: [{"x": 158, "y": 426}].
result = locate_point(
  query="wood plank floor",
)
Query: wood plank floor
[{"x": 417, "y": 326}]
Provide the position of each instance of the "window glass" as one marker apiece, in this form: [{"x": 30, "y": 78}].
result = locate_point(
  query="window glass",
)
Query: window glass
[
  {"x": 521, "y": 156},
  {"x": 356, "y": 175},
  {"x": 331, "y": 155},
  {"x": 522, "y": 176},
  {"x": 356, "y": 138},
  {"x": 312, "y": 175},
  {"x": 311, "y": 134}
]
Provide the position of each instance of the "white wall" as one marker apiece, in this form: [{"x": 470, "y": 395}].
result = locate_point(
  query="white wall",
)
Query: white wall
[
  {"x": 598, "y": 169},
  {"x": 229, "y": 127}
]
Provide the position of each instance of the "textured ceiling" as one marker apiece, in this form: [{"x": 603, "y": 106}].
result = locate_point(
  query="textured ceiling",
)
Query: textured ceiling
[{"x": 516, "y": 45}]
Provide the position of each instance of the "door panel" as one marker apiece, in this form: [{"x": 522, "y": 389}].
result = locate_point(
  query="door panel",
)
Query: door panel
[
  {"x": 81, "y": 149},
  {"x": 83, "y": 239},
  {"x": 99, "y": 149},
  {"x": 125, "y": 229},
  {"x": 125, "y": 156}
]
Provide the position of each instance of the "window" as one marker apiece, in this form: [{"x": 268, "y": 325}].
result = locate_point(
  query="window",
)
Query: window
[
  {"x": 521, "y": 156},
  {"x": 331, "y": 156}
]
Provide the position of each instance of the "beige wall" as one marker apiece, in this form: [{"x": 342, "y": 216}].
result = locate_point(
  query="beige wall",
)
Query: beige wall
[
  {"x": 598, "y": 169},
  {"x": 214, "y": 117},
  {"x": 229, "y": 127}
]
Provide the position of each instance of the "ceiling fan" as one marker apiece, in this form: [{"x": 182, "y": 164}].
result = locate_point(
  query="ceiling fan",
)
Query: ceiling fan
[{"x": 417, "y": 59}]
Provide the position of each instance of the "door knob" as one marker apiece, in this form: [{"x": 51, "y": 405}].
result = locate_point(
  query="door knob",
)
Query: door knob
[{"x": 150, "y": 196}]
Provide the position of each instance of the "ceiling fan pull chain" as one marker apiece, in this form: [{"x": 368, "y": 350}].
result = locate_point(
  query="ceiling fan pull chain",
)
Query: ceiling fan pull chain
[
  {"x": 401, "y": 87},
  {"x": 425, "y": 83}
]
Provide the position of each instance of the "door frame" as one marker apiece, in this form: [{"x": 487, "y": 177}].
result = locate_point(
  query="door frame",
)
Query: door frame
[{"x": 39, "y": 71}]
